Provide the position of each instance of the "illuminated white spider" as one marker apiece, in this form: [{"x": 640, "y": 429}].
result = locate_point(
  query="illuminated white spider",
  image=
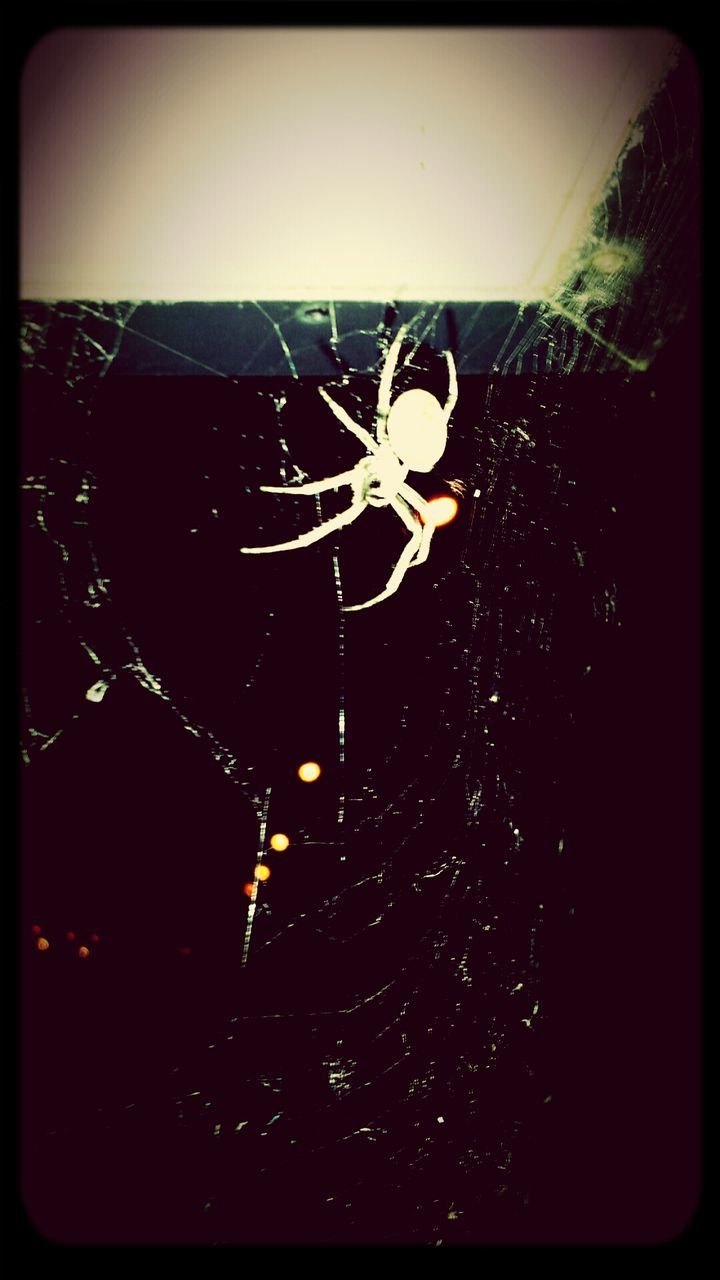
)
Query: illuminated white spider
[{"x": 410, "y": 435}]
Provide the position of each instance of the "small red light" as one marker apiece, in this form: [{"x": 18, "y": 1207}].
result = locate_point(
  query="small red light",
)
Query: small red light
[
  {"x": 71, "y": 937},
  {"x": 440, "y": 510},
  {"x": 184, "y": 951},
  {"x": 248, "y": 889},
  {"x": 94, "y": 937},
  {"x": 37, "y": 930}
]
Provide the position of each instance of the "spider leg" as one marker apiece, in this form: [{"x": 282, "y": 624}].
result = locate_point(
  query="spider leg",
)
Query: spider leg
[
  {"x": 421, "y": 540},
  {"x": 415, "y": 500},
  {"x": 315, "y": 486},
  {"x": 452, "y": 387},
  {"x": 407, "y": 556},
  {"x": 312, "y": 535},
  {"x": 386, "y": 379},
  {"x": 418, "y": 503},
  {"x": 344, "y": 417}
]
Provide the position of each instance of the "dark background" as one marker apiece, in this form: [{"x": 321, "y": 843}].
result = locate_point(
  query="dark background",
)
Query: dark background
[{"x": 132, "y": 830}]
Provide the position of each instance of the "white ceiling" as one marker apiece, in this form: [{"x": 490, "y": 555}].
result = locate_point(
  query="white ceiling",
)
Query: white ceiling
[{"x": 228, "y": 164}]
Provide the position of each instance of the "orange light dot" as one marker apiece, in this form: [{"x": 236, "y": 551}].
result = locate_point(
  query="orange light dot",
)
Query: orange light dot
[
  {"x": 262, "y": 872},
  {"x": 248, "y": 889},
  {"x": 279, "y": 842},
  {"x": 309, "y": 771},
  {"x": 37, "y": 930},
  {"x": 42, "y": 944},
  {"x": 442, "y": 509},
  {"x": 83, "y": 952}
]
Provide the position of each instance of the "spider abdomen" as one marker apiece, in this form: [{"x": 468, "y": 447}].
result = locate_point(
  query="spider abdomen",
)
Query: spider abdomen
[{"x": 417, "y": 429}]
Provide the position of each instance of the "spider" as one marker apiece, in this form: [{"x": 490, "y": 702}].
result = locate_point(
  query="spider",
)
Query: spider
[{"x": 410, "y": 435}]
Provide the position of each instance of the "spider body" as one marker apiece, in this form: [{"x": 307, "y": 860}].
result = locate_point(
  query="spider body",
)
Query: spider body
[
  {"x": 410, "y": 435},
  {"x": 379, "y": 477}
]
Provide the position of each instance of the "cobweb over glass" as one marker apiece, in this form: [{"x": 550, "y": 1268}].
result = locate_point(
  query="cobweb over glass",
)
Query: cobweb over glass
[{"x": 373, "y": 1071}]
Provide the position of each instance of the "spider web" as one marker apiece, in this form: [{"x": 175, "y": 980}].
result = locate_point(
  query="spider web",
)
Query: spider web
[{"x": 381, "y": 1068}]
